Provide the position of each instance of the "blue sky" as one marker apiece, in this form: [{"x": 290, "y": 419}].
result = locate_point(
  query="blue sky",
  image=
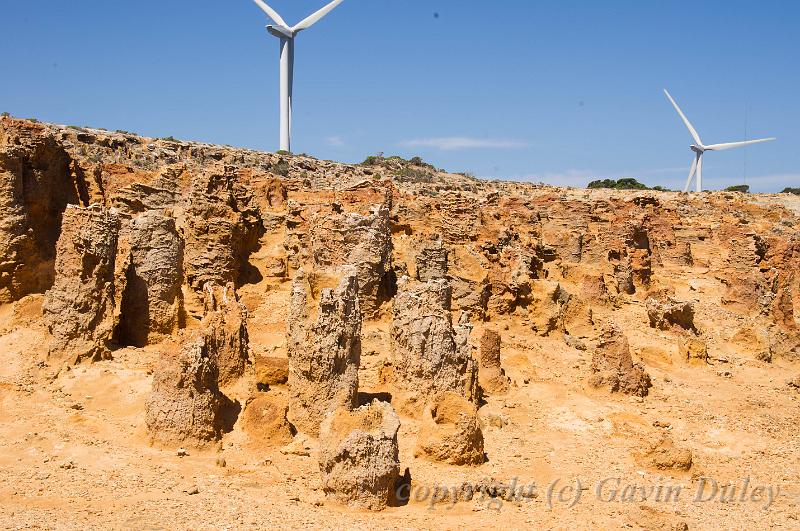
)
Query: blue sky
[{"x": 555, "y": 91}]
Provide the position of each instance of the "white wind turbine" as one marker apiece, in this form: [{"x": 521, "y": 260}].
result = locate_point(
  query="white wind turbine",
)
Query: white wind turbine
[
  {"x": 286, "y": 34},
  {"x": 699, "y": 148}
]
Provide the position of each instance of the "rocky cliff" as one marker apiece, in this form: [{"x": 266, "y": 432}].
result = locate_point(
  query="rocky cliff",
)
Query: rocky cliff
[{"x": 409, "y": 282}]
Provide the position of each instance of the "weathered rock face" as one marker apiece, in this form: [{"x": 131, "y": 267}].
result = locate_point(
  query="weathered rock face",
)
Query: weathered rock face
[
  {"x": 429, "y": 355},
  {"x": 349, "y": 238},
  {"x": 513, "y": 280},
  {"x": 151, "y": 303},
  {"x": 548, "y": 301},
  {"x": 491, "y": 376},
  {"x": 271, "y": 371},
  {"x": 162, "y": 194},
  {"x": 35, "y": 188},
  {"x": 223, "y": 227},
  {"x": 359, "y": 456},
  {"x": 185, "y": 404},
  {"x": 671, "y": 314},
  {"x": 79, "y": 308},
  {"x": 324, "y": 354},
  {"x": 225, "y": 329},
  {"x": 432, "y": 262},
  {"x": 613, "y": 367},
  {"x": 460, "y": 218},
  {"x": 450, "y": 432},
  {"x": 264, "y": 420}
]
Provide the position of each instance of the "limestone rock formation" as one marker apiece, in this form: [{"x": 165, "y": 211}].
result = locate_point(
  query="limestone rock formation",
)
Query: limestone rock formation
[
  {"x": 225, "y": 329},
  {"x": 79, "y": 308},
  {"x": 35, "y": 189},
  {"x": 432, "y": 262},
  {"x": 613, "y": 367},
  {"x": 264, "y": 420},
  {"x": 185, "y": 404},
  {"x": 358, "y": 456},
  {"x": 671, "y": 314},
  {"x": 491, "y": 376},
  {"x": 364, "y": 241},
  {"x": 324, "y": 351},
  {"x": 548, "y": 301},
  {"x": 450, "y": 432},
  {"x": 162, "y": 194},
  {"x": 271, "y": 371},
  {"x": 429, "y": 354},
  {"x": 151, "y": 303},
  {"x": 223, "y": 227}
]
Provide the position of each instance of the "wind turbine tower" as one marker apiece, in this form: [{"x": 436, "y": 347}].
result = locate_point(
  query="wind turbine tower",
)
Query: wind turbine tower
[
  {"x": 699, "y": 148},
  {"x": 287, "y": 34}
]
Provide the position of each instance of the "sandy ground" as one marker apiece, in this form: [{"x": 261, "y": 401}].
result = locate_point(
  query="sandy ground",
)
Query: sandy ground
[{"x": 74, "y": 452}]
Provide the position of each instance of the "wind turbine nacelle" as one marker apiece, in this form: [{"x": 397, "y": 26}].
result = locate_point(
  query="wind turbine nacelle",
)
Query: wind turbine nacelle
[
  {"x": 280, "y": 32},
  {"x": 697, "y": 149}
]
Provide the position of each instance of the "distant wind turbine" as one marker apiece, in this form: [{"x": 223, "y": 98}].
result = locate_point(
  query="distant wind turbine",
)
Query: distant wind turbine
[
  {"x": 286, "y": 35},
  {"x": 699, "y": 148}
]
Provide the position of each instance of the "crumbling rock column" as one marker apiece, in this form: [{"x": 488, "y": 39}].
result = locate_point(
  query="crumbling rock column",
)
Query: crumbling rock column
[
  {"x": 613, "y": 367},
  {"x": 151, "y": 302},
  {"x": 35, "y": 188},
  {"x": 450, "y": 432},
  {"x": 429, "y": 355},
  {"x": 432, "y": 262},
  {"x": 324, "y": 355},
  {"x": 79, "y": 308},
  {"x": 225, "y": 328},
  {"x": 491, "y": 376},
  {"x": 185, "y": 404},
  {"x": 365, "y": 242},
  {"x": 671, "y": 314},
  {"x": 359, "y": 456},
  {"x": 223, "y": 227}
]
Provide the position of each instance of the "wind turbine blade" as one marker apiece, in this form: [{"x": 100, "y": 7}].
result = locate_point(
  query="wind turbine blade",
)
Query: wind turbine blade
[
  {"x": 691, "y": 174},
  {"x": 685, "y": 120},
  {"x": 731, "y": 145},
  {"x": 313, "y": 19},
  {"x": 271, "y": 13}
]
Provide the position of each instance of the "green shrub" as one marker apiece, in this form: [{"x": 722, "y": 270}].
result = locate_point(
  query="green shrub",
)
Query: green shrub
[
  {"x": 123, "y": 132},
  {"x": 627, "y": 183},
  {"x": 414, "y": 175},
  {"x": 795, "y": 191},
  {"x": 743, "y": 188},
  {"x": 280, "y": 168},
  {"x": 282, "y": 152},
  {"x": 6, "y": 115},
  {"x": 169, "y": 139},
  {"x": 373, "y": 160}
]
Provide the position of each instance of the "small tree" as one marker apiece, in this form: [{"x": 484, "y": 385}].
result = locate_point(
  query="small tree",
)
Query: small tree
[
  {"x": 605, "y": 183},
  {"x": 742, "y": 188},
  {"x": 627, "y": 183},
  {"x": 795, "y": 191}
]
